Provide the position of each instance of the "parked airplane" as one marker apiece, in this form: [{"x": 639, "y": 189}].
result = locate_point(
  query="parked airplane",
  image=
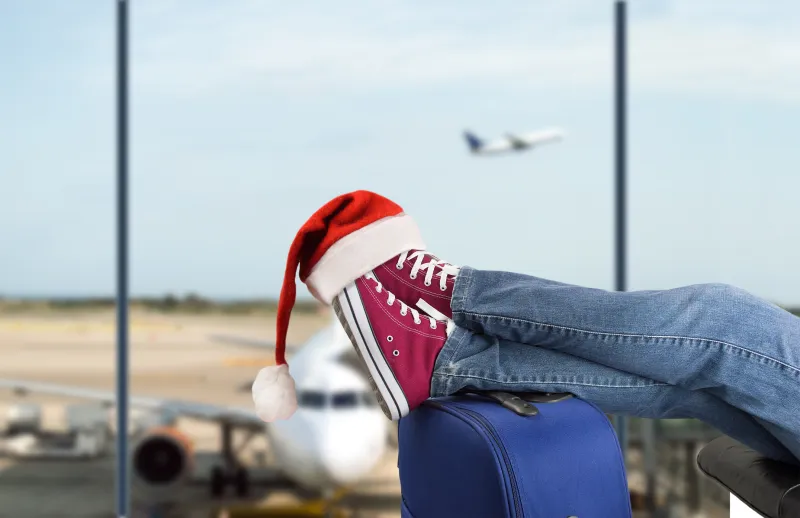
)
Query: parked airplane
[
  {"x": 347, "y": 357},
  {"x": 511, "y": 142},
  {"x": 335, "y": 439}
]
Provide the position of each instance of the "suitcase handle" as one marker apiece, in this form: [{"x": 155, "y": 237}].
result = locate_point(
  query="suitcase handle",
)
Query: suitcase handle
[
  {"x": 510, "y": 401},
  {"x": 546, "y": 397},
  {"x": 521, "y": 403}
]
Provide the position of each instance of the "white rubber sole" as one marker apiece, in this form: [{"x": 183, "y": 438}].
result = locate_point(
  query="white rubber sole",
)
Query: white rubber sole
[{"x": 349, "y": 309}]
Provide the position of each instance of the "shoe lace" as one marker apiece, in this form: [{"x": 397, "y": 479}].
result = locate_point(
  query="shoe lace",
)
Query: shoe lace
[
  {"x": 404, "y": 309},
  {"x": 445, "y": 269}
]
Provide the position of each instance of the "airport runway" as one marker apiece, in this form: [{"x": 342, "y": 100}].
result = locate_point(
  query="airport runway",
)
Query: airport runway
[{"x": 170, "y": 357}]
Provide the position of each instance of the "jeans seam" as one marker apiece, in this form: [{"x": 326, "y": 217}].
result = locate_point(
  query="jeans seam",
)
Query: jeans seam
[
  {"x": 448, "y": 360},
  {"x": 531, "y": 382},
  {"x": 459, "y": 298},
  {"x": 631, "y": 335}
]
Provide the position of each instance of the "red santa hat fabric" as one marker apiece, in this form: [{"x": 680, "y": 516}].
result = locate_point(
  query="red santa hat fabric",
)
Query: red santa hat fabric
[{"x": 343, "y": 240}]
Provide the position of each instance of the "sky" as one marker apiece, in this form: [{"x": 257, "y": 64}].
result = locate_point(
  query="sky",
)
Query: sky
[{"x": 248, "y": 115}]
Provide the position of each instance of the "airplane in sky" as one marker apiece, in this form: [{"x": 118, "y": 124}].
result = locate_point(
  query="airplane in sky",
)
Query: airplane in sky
[
  {"x": 335, "y": 438},
  {"x": 511, "y": 143}
]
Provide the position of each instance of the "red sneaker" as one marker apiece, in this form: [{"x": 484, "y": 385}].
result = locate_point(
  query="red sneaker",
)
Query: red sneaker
[
  {"x": 398, "y": 346},
  {"x": 422, "y": 280}
]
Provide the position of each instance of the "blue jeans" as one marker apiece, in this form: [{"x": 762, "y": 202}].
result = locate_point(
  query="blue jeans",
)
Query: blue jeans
[{"x": 710, "y": 352}]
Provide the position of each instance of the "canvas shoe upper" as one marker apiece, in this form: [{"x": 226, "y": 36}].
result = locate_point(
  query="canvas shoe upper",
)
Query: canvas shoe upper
[
  {"x": 397, "y": 344},
  {"x": 415, "y": 276}
]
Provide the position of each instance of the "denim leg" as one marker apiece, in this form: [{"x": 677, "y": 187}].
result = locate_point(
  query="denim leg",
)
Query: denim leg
[
  {"x": 488, "y": 363},
  {"x": 712, "y": 338}
]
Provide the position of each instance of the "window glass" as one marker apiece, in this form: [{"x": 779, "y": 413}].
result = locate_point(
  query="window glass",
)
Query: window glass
[
  {"x": 341, "y": 400},
  {"x": 311, "y": 399}
]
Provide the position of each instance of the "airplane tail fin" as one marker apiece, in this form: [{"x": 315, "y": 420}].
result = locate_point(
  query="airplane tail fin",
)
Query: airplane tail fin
[{"x": 473, "y": 142}]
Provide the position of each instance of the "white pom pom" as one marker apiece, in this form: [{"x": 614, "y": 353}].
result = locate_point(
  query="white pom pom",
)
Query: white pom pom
[{"x": 274, "y": 393}]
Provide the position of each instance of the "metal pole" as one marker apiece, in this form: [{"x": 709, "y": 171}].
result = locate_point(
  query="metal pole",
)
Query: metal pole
[
  {"x": 693, "y": 495},
  {"x": 649, "y": 454},
  {"x": 621, "y": 423},
  {"x": 122, "y": 497}
]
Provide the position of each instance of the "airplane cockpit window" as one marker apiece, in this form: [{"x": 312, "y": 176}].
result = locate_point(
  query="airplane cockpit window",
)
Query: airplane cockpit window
[
  {"x": 311, "y": 399},
  {"x": 343, "y": 400}
]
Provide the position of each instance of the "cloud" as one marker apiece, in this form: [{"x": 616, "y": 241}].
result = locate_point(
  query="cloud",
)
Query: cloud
[{"x": 296, "y": 50}]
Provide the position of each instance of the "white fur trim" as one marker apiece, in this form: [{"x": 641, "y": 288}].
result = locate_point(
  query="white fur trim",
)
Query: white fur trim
[
  {"x": 358, "y": 253},
  {"x": 274, "y": 393}
]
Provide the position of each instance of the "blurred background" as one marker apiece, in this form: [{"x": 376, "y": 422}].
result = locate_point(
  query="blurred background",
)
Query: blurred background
[{"x": 248, "y": 115}]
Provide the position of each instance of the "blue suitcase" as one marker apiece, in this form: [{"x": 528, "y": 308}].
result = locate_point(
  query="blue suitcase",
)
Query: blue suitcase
[{"x": 497, "y": 455}]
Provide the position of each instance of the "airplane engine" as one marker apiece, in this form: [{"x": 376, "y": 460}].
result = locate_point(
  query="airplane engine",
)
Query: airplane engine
[
  {"x": 162, "y": 460},
  {"x": 24, "y": 419}
]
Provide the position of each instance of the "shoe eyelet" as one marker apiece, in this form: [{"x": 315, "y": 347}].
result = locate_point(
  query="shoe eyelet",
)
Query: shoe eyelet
[
  {"x": 403, "y": 313},
  {"x": 417, "y": 322},
  {"x": 443, "y": 288},
  {"x": 399, "y": 266},
  {"x": 427, "y": 283},
  {"x": 396, "y": 352},
  {"x": 413, "y": 276},
  {"x": 433, "y": 325},
  {"x": 389, "y": 338}
]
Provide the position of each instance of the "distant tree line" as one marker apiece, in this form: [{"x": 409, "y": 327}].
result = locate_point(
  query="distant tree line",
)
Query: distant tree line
[{"x": 169, "y": 303}]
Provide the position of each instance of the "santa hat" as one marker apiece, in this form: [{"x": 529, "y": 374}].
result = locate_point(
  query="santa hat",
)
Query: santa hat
[{"x": 346, "y": 238}]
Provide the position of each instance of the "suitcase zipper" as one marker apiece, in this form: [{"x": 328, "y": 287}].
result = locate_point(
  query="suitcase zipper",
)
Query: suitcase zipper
[
  {"x": 518, "y": 509},
  {"x": 506, "y": 460}
]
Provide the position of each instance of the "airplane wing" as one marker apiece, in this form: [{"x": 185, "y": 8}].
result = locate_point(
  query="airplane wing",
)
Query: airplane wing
[
  {"x": 219, "y": 414},
  {"x": 249, "y": 342},
  {"x": 241, "y": 340},
  {"x": 518, "y": 142},
  {"x": 515, "y": 140}
]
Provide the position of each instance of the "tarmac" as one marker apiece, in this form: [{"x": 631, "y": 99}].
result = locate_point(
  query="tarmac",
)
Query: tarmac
[{"x": 170, "y": 357}]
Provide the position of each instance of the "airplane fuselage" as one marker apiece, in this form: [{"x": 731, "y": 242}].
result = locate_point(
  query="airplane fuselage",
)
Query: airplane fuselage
[
  {"x": 338, "y": 433},
  {"x": 512, "y": 143},
  {"x": 321, "y": 449}
]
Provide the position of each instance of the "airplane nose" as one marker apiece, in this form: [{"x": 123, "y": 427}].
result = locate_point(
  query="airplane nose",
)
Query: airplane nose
[
  {"x": 348, "y": 460},
  {"x": 347, "y": 467}
]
